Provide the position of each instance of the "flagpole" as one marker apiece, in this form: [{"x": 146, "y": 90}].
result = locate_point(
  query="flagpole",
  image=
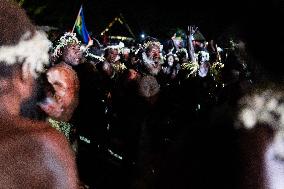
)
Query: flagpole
[{"x": 76, "y": 19}]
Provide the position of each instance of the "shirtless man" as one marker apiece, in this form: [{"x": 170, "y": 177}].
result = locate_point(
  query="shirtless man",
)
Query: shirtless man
[{"x": 32, "y": 154}]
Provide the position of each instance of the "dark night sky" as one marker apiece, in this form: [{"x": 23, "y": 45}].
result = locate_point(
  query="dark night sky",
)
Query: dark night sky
[
  {"x": 258, "y": 22},
  {"x": 156, "y": 18}
]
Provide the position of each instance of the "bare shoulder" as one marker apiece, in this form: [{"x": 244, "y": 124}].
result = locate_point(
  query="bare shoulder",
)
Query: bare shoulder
[{"x": 34, "y": 155}]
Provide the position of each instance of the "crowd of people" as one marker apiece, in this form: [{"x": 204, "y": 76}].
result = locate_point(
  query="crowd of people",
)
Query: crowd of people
[
  {"x": 184, "y": 113},
  {"x": 144, "y": 106}
]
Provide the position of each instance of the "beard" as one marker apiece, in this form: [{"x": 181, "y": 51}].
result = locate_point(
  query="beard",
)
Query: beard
[
  {"x": 29, "y": 107},
  {"x": 72, "y": 61},
  {"x": 153, "y": 65}
]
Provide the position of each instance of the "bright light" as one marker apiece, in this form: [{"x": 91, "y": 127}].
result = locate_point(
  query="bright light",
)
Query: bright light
[{"x": 142, "y": 36}]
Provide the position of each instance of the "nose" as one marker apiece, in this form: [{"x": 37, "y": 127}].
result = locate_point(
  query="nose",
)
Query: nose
[{"x": 155, "y": 54}]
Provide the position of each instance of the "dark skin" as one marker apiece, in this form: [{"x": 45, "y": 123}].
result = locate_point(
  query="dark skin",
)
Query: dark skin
[
  {"x": 33, "y": 155},
  {"x": 63, "y": 92},
  {"x": 38, "y": 158},
  {"x": 72, "y": 55}
]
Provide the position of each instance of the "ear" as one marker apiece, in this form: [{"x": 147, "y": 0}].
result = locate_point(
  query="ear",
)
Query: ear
[{"x": 23, "y": 81}]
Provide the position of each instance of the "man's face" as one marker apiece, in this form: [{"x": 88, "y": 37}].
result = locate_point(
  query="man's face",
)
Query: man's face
[
  {"x": 154, "y": 53},
  {"x": 170, "y": 60},
  {"x": 203, "y": 57},
  {"x": 62, "y": 94},
  {"x": 72, "y": 55},
  {"x": 132, "y": 74},
  {"x": 112, "y": 56},
  {"x": 126, "y": 55},
  {"x": 178, "y": 42}
]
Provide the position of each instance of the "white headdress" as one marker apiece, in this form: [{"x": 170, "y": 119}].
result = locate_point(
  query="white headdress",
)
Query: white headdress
[
  {"x": 31, "y": 51},
  {"x": 67, "y": 39}
]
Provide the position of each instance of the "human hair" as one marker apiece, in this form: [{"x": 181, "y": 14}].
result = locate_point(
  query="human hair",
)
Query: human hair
[
  {"x": 13, "y": 23},
  {"x": 65, "y": 50},
  {"x": 20, "y": 42},
  {"x": 64, "y": 42},
  {"x": 109, "y": 50}
]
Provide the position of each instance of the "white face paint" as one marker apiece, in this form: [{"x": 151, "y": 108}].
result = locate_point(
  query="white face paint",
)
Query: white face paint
[
  {"x": 32, "y": 52},
  {"x": 203, "y": 69},
  {"x": 178, "y": 42},
  {"x": 203, "y": 56},
  {"x": 113, "y": 56},
  {"x": 170, "y": 60}
]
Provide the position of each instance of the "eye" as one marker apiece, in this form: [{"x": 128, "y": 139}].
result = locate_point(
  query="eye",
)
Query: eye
[
  {"x": 279, "y": 158},
  {"x": 58, "y": 84}
]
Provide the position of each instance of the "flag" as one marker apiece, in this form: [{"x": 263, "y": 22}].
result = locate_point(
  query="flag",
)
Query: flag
[{"x": 81, "y": 26}]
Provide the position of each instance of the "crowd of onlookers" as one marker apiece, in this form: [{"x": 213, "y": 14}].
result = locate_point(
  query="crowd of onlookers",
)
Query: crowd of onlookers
[
  {"x": 185, "y": 113},
  {"x": 136, "y": 101}
]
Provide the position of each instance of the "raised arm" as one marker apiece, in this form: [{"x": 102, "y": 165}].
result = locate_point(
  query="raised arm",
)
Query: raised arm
[{"x": 191, "y": 32}]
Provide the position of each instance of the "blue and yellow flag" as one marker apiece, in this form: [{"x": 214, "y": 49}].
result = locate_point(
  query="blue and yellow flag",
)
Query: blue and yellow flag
[{"x": 81, "y": 26}]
